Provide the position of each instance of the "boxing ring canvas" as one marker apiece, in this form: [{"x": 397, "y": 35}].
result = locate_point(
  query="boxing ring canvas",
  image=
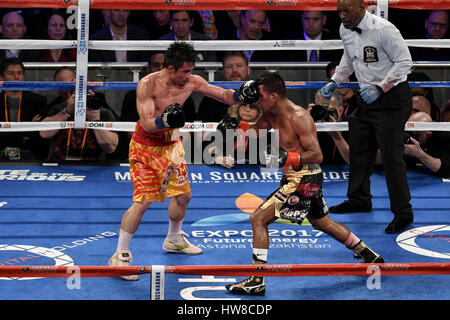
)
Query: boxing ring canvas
[{"x": 70, "y": 215}]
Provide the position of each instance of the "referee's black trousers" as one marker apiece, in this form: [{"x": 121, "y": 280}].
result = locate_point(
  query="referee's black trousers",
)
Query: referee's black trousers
[{"x": 380, "y": 125}]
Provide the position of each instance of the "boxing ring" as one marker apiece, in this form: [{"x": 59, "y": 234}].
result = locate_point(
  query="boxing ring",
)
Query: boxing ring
[
  {"x": 63, "y": 221},
  {"x": 59, "y": 224}
]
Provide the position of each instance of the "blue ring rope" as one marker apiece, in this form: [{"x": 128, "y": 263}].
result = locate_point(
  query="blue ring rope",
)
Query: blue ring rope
[{"x": 124, "y": 85}]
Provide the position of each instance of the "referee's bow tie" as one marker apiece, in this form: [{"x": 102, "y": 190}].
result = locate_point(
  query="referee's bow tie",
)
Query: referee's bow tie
[{"x": 356, "y": 29}]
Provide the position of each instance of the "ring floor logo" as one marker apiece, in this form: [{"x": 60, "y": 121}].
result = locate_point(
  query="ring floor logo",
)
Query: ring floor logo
[
  {"x": 431, "y": 241},
  {"x": 28, "y": 252},
  {"x": 242, "y": 239},
  {"x": 54, "y": 255}
]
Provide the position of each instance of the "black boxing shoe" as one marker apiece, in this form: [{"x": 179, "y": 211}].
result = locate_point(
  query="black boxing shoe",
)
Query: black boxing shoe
[
  {"x": 253, "y": 286},
  {"x": 362, "y": 251},
  {"x": 348, "y": 207},
  {"x": 399, "y": 224}
]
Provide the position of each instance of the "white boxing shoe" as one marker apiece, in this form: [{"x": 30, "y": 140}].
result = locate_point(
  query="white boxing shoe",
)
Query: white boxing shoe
[
  {"x": 179, "y": 244},
  {"x": 123, "y": 258}
]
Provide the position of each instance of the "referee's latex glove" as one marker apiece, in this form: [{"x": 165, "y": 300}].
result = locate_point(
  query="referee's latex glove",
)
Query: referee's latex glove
[
  {"x": 369, "y": 94},
  {"x": 327, "y": 90}
]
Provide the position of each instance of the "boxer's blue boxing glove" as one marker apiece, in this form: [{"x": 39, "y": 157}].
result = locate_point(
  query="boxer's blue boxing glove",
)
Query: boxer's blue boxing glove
[
  {"x": 327, "y": 90},
  {"x": 369, "y": 94},
  {"x": 248, "y": 93},
  {"x": 172, "y": 117}
]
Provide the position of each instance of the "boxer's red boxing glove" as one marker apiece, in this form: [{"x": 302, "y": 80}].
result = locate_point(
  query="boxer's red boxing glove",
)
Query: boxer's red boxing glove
[
  {"x": 172, "y": 117},
  {"x": 290, "y": 159}
]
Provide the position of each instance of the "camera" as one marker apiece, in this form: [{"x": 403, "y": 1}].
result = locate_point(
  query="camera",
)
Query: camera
[
  {"x": 408, "y": 135},
  {"x": 92, "y": 102},
  {"x": 322, "y": 112}
]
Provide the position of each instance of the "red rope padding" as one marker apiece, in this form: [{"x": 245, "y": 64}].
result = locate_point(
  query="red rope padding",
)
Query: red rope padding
[
  {"x": 220, "y": 4},
  {"x": 280, "y": 270}
]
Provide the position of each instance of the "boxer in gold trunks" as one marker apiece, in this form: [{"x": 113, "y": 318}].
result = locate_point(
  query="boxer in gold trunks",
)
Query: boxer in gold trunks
[
  {"x": 300, "y": 194},
  {"x": 158, "y": 169}
]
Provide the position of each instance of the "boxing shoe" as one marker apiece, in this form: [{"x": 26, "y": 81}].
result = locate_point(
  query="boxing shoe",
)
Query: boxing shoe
[
  {"x": 253, "y": 286},
  {"x": 179, "y": 244},
  {"x": 348, "y": 207},
  {"x": 362, "y": 251},
  {"x": 123, "y": 258},
  {"x": 399, "y": 224}
]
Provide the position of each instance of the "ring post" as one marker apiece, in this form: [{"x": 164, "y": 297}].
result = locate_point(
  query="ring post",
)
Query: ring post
[
  {"x": 382, "y": 8},
  {"x": 82, "y": 65},
  {"x": 157, "y": 283}
]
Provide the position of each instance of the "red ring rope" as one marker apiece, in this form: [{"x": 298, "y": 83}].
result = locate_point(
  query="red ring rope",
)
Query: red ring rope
[
  {"x": 220, "y": 4},
  {"x": 281, "y": 270}
]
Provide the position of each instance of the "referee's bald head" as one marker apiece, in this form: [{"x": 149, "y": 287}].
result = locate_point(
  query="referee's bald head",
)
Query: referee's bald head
[{"x": 351, "y": 12}]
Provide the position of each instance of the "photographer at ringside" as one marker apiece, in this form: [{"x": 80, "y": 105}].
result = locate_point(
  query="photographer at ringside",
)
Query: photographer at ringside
[
  {"x": 80, "y": 144},
  {"x": 432, "y": 149},
  {"x": 334, "y": 144}
]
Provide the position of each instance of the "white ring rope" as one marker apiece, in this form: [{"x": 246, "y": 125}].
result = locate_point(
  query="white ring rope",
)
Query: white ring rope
[
  {"x": 191, "y": 126},
  {"x": 211, "y": 45},
  {"x": 205, "y": 45}
]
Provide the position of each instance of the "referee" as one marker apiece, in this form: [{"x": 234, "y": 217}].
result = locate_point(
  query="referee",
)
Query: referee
[{"x": 375, "y": 50}]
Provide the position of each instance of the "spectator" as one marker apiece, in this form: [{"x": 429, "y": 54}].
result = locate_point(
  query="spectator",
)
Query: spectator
[
  {"x": 20, "y": 106},
  {"x": 226, "y": 23},
  {"x": 334, "y": 144},
  {"x": 222, "y": 24},
  {"x": 436, "y": 27},
  {"x": 13, "y": 27},
  {"x": 313, "y": 25},
  {"x": 437, "y": 24},
  {"x": 129, "y": 111},
  {"x": 162, "y": 26},
  {"x": 119, "y": 29},
  {"x": 63, "y": 74},
  {"x": 98, "y": 19},
  {"x": 435, "y": 112},
  {"x": 348, "y": 94},
  {"x": 156, "y": 22},
  {"x": 432, "y": 149},
  {"x": 420, "y": 91},
  {"x": 251, "y": 27},
  {"x": 235, "y": 68},
  {"x": 181, "y": 23},
  {"x": 421, "y": 104},
  {"x": 79, "y": 144},
  {"x": 244, "y": 113},
  {"x": 318, "y": 99},
  {"x": 209, "y": 23},
  {"x": 446, "y": 112},
  {"x": 66, "y": 74},
  {"x": 56, "y": 30}
]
